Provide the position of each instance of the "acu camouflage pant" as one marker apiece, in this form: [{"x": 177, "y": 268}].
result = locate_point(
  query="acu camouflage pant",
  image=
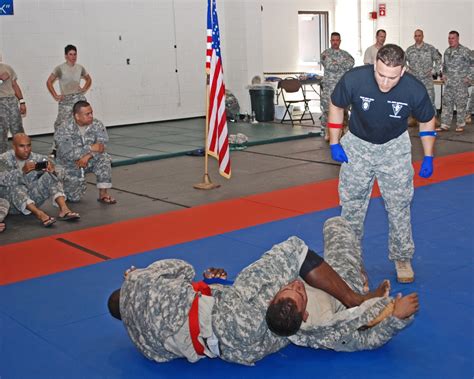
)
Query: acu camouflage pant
[
  {"x": 342, "y": 252},
  {"x": 455, "y": 93},
  {"x": 4, "y": 206},
  {"x": 74, "y": 180},
  {"x": 10, "y": 120},
  {"x": 389, "y": 163},
  {"x": 20, "y": 195},
  {"x": 65, "y": 110}
]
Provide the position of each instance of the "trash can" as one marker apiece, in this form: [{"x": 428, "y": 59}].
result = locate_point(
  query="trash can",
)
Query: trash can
[{"x": 261, "y": 98}]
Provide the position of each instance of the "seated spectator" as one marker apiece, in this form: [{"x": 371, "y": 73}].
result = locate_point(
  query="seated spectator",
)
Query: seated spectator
[
  {"x": 27, "y": 179},
  {"x": 4, "y": 206},
  {"x": 80, "y": 145}
]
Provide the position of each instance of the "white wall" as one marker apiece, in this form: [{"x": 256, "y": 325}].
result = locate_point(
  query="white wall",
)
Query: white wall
[
  {"x": 253, "y": 41},
  {"x": 148, "y": 89},
  {"x": 280, "y": 32}
]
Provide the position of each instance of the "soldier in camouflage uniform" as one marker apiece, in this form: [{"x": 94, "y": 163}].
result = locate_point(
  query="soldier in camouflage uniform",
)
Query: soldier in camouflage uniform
[
  {"x": 470, "y": 108},
  {"x": 457, "y": 75},
  {"x": 329, "y": 324},
  {"x": 81, "y": 144},
  {"x": 12, "y": 105},
  {"x": 378, "y": 146},
  {"x": 69, "y": 74},
  {"x": 423, "y": 61},
  {"x": 155, "y": 305},
  {"x": 336, "y": 62},
  {"x": 4, "y": 207},
  {"x": 27, "y": 186}
]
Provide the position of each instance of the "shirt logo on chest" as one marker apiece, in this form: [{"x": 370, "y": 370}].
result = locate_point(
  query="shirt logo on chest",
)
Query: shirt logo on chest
[
  {"x": 366, "y": 102},
  {"x": 396, "y": 108}
]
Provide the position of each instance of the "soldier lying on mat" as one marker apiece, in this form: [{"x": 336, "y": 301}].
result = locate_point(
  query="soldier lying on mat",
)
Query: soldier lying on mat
[{"x": 167, "y": 316}]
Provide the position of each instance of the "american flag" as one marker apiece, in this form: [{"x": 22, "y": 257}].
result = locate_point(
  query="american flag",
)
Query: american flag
[
  {"x": 217, "y": 140},
  {"x": 209, "y": 39}
]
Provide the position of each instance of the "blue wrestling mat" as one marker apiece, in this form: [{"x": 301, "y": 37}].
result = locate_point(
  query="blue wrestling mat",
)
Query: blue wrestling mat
[{"x": 58, "y": 326}]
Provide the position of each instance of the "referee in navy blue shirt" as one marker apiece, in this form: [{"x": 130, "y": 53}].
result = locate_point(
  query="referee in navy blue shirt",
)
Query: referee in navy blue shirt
[{"x": 378, "y": 146}]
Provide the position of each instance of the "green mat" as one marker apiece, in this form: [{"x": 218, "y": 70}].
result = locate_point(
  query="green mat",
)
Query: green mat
[{"x": 160, "y": 140}]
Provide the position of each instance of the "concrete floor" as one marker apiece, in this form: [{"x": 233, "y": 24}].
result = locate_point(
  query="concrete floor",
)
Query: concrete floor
[{"x": 150, "y": 188}]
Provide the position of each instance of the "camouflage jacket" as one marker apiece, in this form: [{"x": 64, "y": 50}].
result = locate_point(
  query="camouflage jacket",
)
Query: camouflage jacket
[
  {"x": 423, "y": 61},
  {"x": 71, "y": 145},
  {"x": 154, "y": 304},
  {"x": 238, "y": 318},
  {"x": 336, "y": 63},
  {"x": 10, "y": 173},
  {"x": 346, "y": 332},
  {"x": 458, "y": 63}
]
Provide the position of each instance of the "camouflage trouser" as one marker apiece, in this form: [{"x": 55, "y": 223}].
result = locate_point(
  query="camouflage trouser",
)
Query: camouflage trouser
[
  {"x": 428, "y": 82},
  {"x": 389, "y": 163},
  {"x": 326, "y": 91},
  {"x": 74, "y": 179},
  {"x": 4, "y": 206},
  {"x": 10, "y": 120},
  {"x": 47, "y": 185},
  {"x": 470, "y": 109},
  {"x": 65, "y": 108},
  {"x": 455, "y": 93},
  {"x": 342, "y": 252}
]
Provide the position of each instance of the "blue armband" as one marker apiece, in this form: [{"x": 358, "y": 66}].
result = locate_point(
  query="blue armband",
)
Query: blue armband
[{"x": 428, "y": 133}]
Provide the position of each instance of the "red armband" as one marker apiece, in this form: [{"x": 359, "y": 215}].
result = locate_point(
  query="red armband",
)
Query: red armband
[{"x": 332, "y": 125}]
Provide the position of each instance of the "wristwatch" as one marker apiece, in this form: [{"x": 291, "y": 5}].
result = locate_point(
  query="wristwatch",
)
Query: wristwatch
[{"x": 22, "y": 101}]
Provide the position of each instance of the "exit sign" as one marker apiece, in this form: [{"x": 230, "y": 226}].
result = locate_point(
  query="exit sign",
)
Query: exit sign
[{"x": 6, "y": 7}]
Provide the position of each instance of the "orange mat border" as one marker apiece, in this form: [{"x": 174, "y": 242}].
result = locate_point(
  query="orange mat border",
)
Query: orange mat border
[{"x": 43, "y": 256}]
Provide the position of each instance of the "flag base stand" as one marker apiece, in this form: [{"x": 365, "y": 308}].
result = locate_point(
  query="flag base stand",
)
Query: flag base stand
[{"x": 206, "y": 184}]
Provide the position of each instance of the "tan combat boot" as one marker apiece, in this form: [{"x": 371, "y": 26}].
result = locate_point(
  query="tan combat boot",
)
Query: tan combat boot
[{"x": 405, "y": 272}]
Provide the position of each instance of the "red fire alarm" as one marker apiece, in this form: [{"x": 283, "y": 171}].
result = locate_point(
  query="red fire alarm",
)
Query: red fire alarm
[
  {"x": 382, "y": 10},
  {"x": 373, "y": 15}
]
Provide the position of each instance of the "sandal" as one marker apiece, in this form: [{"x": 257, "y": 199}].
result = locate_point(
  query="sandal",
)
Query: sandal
[
  {"x": 460, "y": 129},
  {"x": 48, "y": 222},
  {"x": 69, "y": 216},
  {"x": 109, "y": 200},
  {"x": 442, "y": 129}
]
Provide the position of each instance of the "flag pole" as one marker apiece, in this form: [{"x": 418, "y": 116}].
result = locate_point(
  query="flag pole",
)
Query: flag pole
[{"x": 206, "y": 183}]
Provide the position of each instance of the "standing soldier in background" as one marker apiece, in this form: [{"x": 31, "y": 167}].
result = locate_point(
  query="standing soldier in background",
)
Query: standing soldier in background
[
  {"x": 470, "y": 108},
  {"x": 69, "y": 75},
  {"x": 12, "y": 105},
  {"x": 370, "y": 55},
  {"x": 456, "y": 76},
  {"x": 336, "y": 62},
  {"x": 424, "y": 61}
]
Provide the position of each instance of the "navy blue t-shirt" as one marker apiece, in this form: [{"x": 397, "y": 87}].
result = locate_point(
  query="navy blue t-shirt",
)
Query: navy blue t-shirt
[{"x": 379, "y": 117}]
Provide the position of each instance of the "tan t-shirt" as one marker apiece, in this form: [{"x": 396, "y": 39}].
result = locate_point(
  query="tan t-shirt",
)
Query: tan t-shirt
[
  {"x": 321, "y": 307},
  {"x": 6, "y": 88},
  {"x": 370, "y": 55},
  {"x": 69, "y": 77}
]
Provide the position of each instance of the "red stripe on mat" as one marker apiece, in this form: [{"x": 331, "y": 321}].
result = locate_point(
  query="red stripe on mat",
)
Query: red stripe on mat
[{"x": 44, "y": 256}]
